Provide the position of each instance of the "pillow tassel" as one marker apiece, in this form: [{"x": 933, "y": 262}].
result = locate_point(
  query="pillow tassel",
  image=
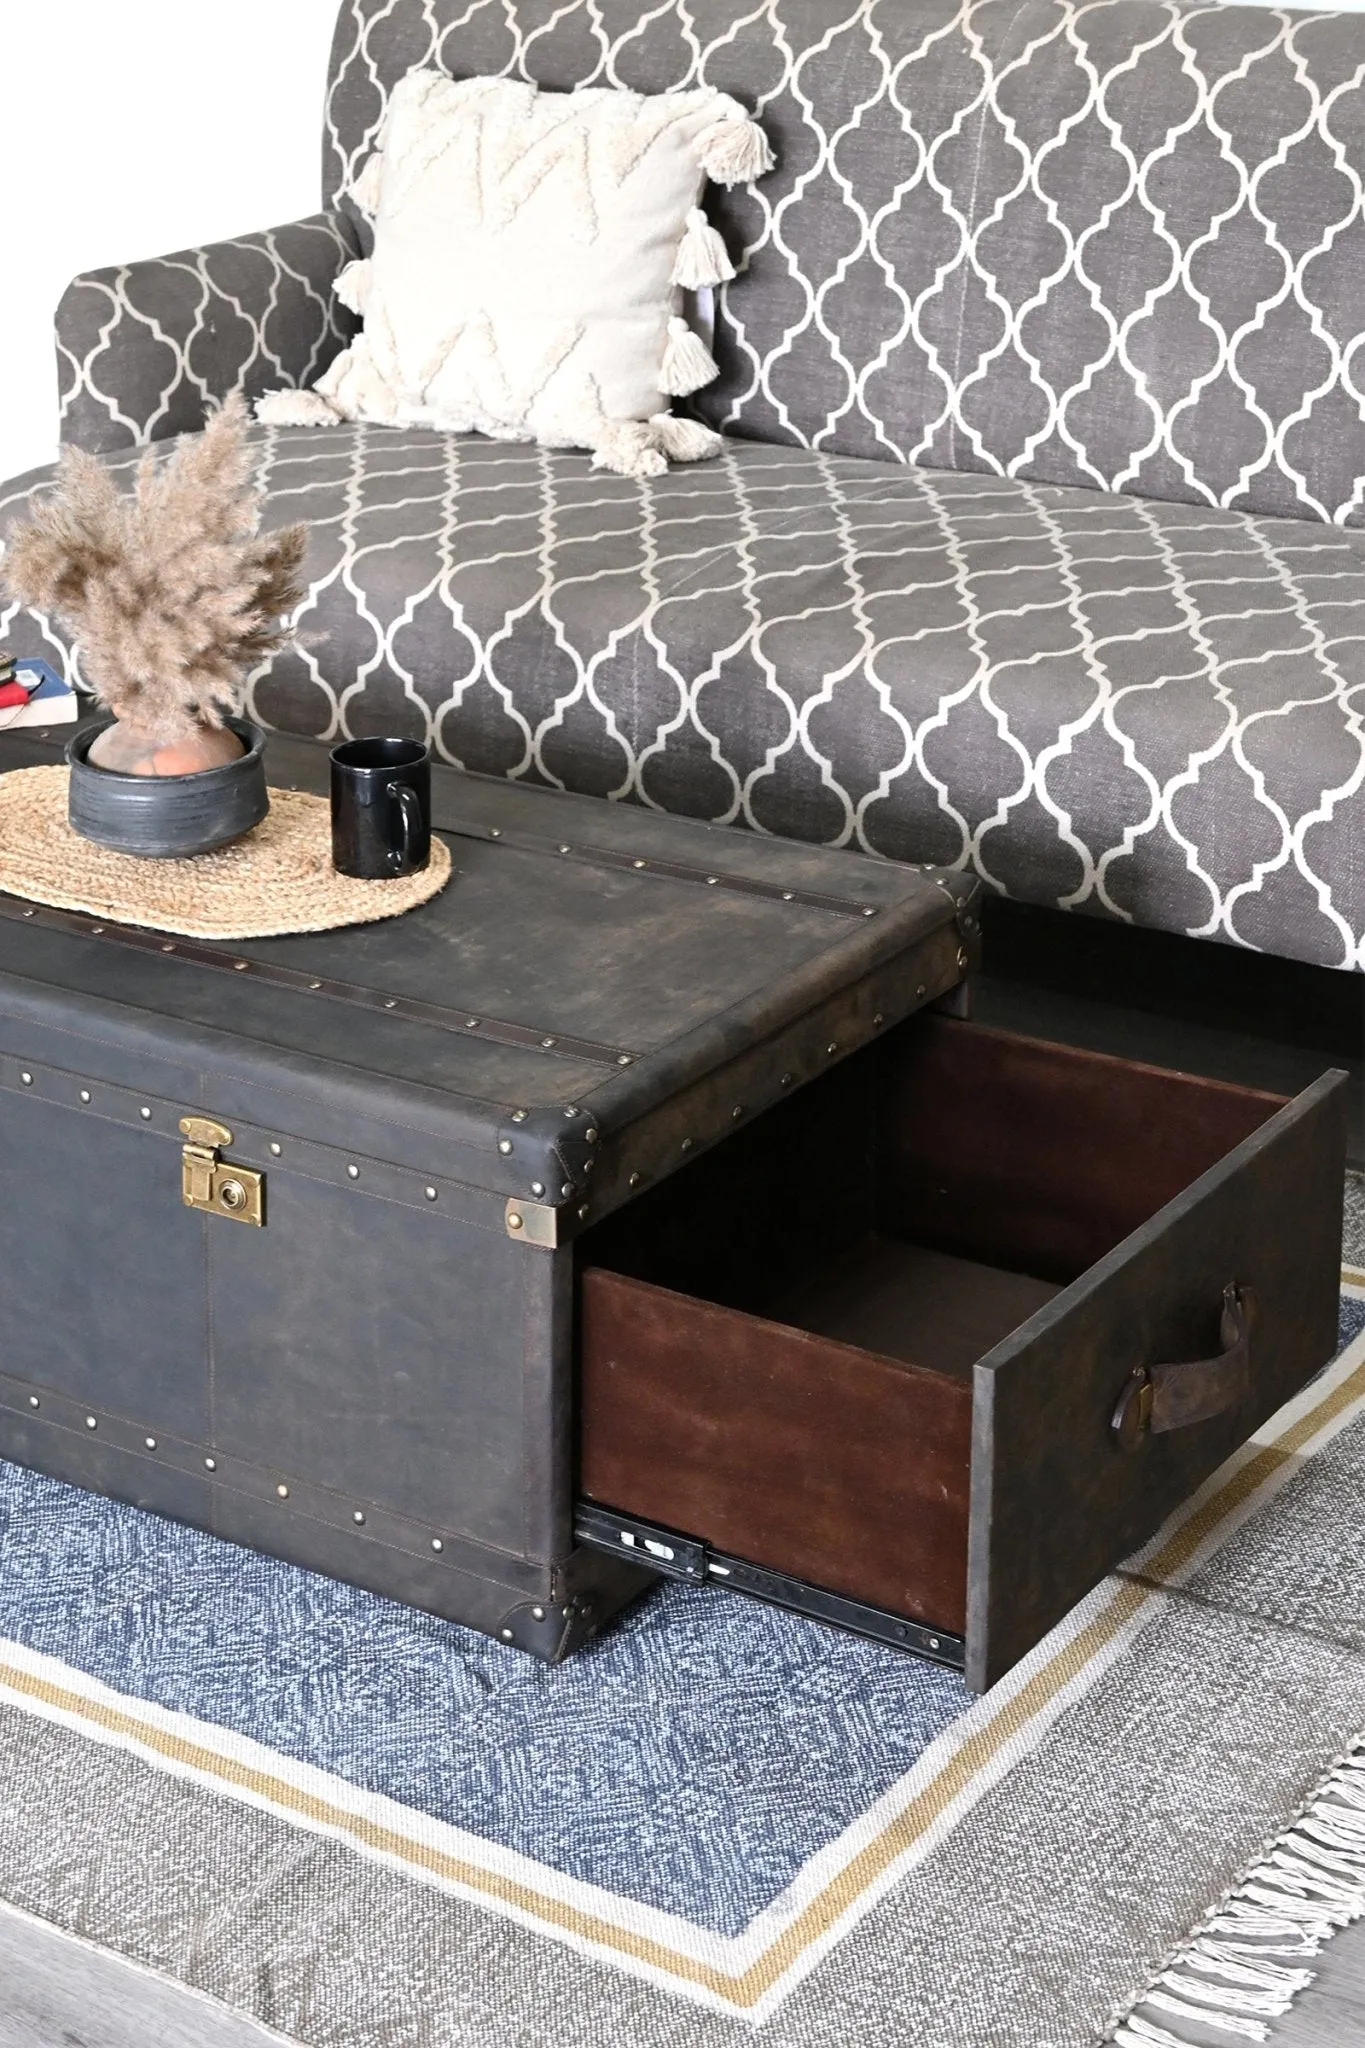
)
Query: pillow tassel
[
  {"x": 645, "y": 447},
  {"x": 364, "y": 187},
  {"x": 688, "y": 362},
  {"x": 628, "y": 448},
  {"x": 295, "y": 409},
  {"x": 735, "y": 151},
  {"x": 703, "y": 258},
  {"x": 352, "y": 286},
  {"x": 684, "y": 440}
]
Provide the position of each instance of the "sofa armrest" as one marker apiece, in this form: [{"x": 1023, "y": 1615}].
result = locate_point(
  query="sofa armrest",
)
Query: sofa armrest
[{"x": 141, "y": 347}]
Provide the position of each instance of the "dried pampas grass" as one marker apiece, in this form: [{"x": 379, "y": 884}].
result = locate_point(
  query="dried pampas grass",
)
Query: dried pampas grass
[{"x": 173, "y": 594}]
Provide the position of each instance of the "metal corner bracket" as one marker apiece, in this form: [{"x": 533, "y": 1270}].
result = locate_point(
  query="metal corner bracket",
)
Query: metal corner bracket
[{"x": 532, "y": 1223}]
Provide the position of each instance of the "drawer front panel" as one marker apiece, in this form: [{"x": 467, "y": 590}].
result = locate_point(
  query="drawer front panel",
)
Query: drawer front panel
[
  {"x": 1056, "y": 1500},
  {"x": 831, "y": 1464}
]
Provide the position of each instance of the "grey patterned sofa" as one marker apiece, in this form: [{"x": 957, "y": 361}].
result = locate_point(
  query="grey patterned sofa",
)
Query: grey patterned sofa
[{"x": 1036, "y": 546}]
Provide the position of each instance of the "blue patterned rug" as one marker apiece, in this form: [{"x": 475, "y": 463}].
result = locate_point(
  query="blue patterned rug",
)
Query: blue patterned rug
[{"x": 693, "y": 1758}]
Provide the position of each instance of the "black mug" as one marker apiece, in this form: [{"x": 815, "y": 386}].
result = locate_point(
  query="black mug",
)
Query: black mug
[{"x": 381, "y": 808}]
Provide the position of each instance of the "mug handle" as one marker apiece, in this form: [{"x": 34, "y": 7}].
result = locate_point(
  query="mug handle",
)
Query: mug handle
[{"x": 410, "y": 820}]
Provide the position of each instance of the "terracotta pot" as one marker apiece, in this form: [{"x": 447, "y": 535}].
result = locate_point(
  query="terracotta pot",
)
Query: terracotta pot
[{"x": 164, "y": 816}]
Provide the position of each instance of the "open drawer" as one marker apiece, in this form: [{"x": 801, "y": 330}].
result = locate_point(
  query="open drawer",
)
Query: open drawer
[{"x": 931, "y": 1347}]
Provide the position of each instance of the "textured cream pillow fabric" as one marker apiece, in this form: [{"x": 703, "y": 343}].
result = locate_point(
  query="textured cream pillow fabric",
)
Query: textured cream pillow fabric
[{"x": 531, "y": 252}]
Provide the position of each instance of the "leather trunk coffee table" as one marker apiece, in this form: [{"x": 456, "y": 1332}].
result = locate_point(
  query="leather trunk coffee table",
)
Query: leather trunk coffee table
[{"x": 634, "y": 1207}]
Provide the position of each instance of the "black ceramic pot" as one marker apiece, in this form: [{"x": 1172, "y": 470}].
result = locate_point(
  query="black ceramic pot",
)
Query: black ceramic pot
[{"x": 163, "y": 816}]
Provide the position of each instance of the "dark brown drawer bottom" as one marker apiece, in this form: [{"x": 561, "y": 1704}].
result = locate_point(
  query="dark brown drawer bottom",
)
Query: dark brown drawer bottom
[{"x": 875, "y": 1346}]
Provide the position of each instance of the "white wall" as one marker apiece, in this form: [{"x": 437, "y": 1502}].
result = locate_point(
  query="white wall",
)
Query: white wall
[
  {"x": 133, "y": 127},
  {"x": 138, "y": 126}
]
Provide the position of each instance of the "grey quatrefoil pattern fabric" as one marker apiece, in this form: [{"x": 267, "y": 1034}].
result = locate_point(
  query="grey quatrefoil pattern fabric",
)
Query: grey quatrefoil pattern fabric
[
  {"x": 142, "y": 347},
  {"x": 1107, "y": 242},
  {"x": 1025, "y": 268},
  {"x": 1154, "y": 712}
]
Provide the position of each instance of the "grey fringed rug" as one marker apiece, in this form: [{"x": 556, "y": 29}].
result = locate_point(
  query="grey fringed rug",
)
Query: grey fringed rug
[{"x": 720, "y": 1825}]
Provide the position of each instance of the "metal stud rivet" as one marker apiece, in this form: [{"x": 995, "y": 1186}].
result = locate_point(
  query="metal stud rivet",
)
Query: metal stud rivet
[
  {"x": 583, "y": 1213},
  {"x": 567, "y": 1189},
  {"x": 869, "y": 910},
  {"x": 91, "y": 1422},
  {"x": 97, "y": 931},
  {"x": 210, "y": 1464},
  {"x": 150, "y": 1442},
  {"x": 240, "y": 966},
  {"x": 786, "y": 1081},
  {"x": 788, "y": 896},
  {"x": 389, "y": 1003},
  {"x": 353, "y": 1172},
  {"x": 275, "y": 1148},
  {"x": 431, "y": 1194},
  {"x": 590, "y": 1135},
  {"x": 514, "y": 1222},
  {"x": 518, "y": 1116},
  {"x": 495, "y": 832},
  {"x": 471, "y": 1023},
  {"x": 634, "y": 1180},
  {"x": 358, "y": 1517},
  {"x": 687, "y": 1144},
  {"x": 962, "y": 956},
  {"x": 30, "y": 913},
  {"x": 547, "y": 1043},
  {"x": 623, "y": 1059},
  {"x": 283, "y": 1492},
  {"x": 537, "y": 1614},
  {"x": 168, "y": 947},
  {"x": 879, "y": 1019},
  {"x": 934, "y": 1643},
  {"x": 832, "y": 1048},
  {"x": 145, "y": 1113},
  {"x": 638, "y": 863},
  {"x": 506, "y": 1634},
  {"x": 738, "y": 1109},
  {"x": 571, "y": 1110},
  {"x": 315, "y": 984},
  {"x": 537, "y": 1188},
  {"x": 504, "y": 1145},
  {"x": 27, "y": 1080},
  {"x": 711, "y": 881},
  {"x": 85, "y": 1095},
  {"x": 436, "y": 1543},
  {"x": 564, "y": 849},
  {"x": 34, "y": 1402}
]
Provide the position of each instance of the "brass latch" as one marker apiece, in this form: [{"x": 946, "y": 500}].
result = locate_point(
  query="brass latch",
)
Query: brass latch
[{"x": 208, "y": 1182}]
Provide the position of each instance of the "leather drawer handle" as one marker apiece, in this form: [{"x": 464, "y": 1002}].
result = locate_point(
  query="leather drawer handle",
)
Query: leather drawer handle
[{"x": 1158, "y": 1398}]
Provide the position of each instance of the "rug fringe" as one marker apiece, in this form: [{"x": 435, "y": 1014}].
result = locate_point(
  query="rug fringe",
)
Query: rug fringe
[{"x": 1241, "y": 1967}]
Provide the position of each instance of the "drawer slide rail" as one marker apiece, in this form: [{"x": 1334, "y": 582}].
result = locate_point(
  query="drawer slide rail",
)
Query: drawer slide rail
[{"x": 684, "y": 1557}]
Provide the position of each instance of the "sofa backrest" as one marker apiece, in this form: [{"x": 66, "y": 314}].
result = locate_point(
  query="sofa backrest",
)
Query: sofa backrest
[{"x": 1119, "y": 244}]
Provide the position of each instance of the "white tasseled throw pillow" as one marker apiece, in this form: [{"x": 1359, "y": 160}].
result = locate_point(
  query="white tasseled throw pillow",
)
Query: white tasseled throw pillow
[{"x": 531, "y": 252}]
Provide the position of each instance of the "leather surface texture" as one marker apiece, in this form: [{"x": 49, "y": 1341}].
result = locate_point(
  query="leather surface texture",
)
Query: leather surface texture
[{"x": 378, "y": 1381}]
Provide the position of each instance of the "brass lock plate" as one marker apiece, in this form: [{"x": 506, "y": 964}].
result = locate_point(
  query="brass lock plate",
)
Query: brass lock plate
[{"x": 218, "y": 1186}]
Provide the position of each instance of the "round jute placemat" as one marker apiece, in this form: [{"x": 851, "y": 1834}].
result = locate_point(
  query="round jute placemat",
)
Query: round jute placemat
[{"x": 277, "y": 879}]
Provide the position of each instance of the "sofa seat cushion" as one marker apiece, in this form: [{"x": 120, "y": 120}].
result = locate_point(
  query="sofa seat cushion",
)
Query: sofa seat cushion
[{"x": 1150, "y": 711}]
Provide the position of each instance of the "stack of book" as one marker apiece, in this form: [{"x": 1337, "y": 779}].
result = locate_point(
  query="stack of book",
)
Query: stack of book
[{"x": 32, "y": 693}]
